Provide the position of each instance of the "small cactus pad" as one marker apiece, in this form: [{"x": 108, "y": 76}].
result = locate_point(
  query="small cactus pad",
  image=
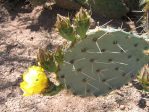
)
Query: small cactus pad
[{"x": 105, "y": 60}]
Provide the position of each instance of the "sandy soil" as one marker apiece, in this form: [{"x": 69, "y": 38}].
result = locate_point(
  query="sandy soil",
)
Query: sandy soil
[{"x": 22, "y": 32}]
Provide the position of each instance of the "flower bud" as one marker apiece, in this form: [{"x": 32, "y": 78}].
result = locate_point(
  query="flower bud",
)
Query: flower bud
[
  {"x": 45, "y": 59},
  {"x": 65, "y": 28},
  {"x": 82, "y": 22}
]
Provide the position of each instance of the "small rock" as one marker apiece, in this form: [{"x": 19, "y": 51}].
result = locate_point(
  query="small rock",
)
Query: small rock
[
  {"x": 93, "y": 23},
  {"x": 130, "y": 84},
  {"x": 3, "y": 48},
  {"x": 142, "y": 103},
  {"x": 122, "y": 107}
]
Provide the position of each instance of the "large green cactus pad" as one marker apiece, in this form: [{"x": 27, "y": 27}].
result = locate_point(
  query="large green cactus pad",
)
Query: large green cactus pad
[{"x": 105, "y": 60}]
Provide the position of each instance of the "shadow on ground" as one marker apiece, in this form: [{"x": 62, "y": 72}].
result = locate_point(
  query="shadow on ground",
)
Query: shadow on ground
[
  {"x": 47, "y": 18},
  {"x": 13, "y": 7}
]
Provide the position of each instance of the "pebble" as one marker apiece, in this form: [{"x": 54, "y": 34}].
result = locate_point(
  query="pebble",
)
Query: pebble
[{"x": 122, "y": 107}]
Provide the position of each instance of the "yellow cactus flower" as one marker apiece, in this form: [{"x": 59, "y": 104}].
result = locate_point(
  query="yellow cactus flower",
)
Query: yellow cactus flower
[{"x": 35, "y": 81}]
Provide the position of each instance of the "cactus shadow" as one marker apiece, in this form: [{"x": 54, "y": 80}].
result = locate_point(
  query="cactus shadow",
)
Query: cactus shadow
[
  {"x": 142, "y": 103},
  {"x": 7, "y": 59},
  {"x": 128, "y": 23},
  {"x": 137, "y": 85},
  {"x": 137, "y": 18},
  {"x": 13, "y": 8},
  {"x": 115, "y": 23},
  {"x": 10, "y": 84},
  {"x": 5, "y": 86},
  {"x": 47, "y": 18}
]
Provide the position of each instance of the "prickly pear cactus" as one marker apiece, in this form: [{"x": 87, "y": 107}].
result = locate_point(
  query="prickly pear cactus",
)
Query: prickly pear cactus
[
  {"x": 132, "y": 4},
  {"x": 101, "y": 61},
  {"x": 108, "y": 8},
  {"x": 105, "y": 60}
]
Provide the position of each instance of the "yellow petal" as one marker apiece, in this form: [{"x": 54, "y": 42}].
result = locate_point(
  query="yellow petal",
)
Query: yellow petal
[{"x": 35, "y": 81}]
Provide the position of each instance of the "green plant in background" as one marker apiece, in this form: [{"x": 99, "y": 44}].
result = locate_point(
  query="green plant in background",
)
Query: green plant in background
[
  {"x": 143, "y": 78},
  {"x": 132, "y": 4},
  {"x": 107, "y": 8},
  {"x": 145, "y": 21}
]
